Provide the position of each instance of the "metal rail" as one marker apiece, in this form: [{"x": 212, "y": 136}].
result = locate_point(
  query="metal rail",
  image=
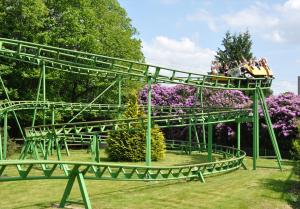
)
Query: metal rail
[
  {"x": 108, "y": 67},
  {"x": 48, "y": 136}
]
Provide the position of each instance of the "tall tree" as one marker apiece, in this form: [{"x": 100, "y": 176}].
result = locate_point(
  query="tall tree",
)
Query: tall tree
[
  {"x": 95, "y": 26},
  {"x": 236, "y": 47}
]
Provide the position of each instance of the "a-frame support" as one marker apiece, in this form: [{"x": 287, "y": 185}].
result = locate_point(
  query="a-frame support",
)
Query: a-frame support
[
  {"x": 75, "y": 174},
  {"x": 269, "y": 125}
]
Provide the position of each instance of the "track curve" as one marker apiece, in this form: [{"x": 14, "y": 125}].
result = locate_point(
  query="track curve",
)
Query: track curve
[{"x": 71, "y": 61}]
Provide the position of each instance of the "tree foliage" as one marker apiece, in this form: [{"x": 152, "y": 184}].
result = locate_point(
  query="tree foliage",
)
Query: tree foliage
[
  {"x": 130, "y": 144},
  {"x": 95, "y": 26},
  {"x": 237, "y": 47}
]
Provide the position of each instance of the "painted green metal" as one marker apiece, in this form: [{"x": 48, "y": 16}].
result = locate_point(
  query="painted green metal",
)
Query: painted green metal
[
  {"x": 47, "y": 169},
  {"x": 5, "y": 135},
  {"x": 120, "y": 92},
  {"x": 255, "y": 128},
  {"x": 37, "y": 96},
  {"x": 108, "y": 67},
  {"x": 209, "y": 143},
  {"x": 238, "y": 136},
  {"x": 42, "y": 140},
  {"x": 190, "y": 136},
  {"x": 44, "y": 91},
  {"x": 7, "y": 97},
  {"x": 1, "y": 153},
  {"x": 270, "y": 126},
  {"x": 95, "y": 99},
  {"x": 149, "y": 123}
]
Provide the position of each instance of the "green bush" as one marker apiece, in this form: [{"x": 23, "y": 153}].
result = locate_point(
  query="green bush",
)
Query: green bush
[
  {"x": 296, "y": 149},
  {"x": 130, "y": 144},
  {"x": 12, "y": 147},
  {"x": 295, "y": 152}
]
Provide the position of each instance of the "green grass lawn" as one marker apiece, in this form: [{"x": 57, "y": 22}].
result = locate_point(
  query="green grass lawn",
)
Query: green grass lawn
[{"x": 267, "y": 187}]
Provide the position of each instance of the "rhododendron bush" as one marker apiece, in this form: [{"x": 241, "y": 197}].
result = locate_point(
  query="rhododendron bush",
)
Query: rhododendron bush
[
  {"x": 184, "y": 96},
  {"x": 284, "y": 109}
]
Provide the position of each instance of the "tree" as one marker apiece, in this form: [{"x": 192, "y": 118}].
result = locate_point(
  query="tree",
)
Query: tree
[
  {"x": 129, "y": 144},
  {"x": 237, "y": 47},
  {"x": 95, "y": 26}
]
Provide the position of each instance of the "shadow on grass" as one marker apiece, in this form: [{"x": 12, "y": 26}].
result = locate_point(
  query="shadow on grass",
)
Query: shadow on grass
[{"x": 289, "y": 188}]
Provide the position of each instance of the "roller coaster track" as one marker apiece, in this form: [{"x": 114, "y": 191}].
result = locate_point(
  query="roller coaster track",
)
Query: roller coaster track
[
  {"x": 233, "y": 160},
  {"x": 166, "y": 121},
  {"x": 108, "y": 67},
  {"x": 71, "y": 61}
]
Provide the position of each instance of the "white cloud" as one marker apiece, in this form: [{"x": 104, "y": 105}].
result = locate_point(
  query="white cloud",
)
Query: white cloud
[
  {"x": 291, "y": 5},
  {"x": 183, "y": 54},
  {"x": 204, "y": 16},
  {"x": 281, "y": 86},
  {"x": 278, "y": 23},
  {"x": 255, "y": 18}
]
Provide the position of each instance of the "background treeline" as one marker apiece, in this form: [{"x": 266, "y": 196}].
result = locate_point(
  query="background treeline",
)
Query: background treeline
[{"x": 95, "y": 26}]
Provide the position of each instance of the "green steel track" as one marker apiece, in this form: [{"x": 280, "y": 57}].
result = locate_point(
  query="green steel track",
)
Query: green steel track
[
  {"x": 42, "y": 140},
  {"x": 108, "y": 67}
]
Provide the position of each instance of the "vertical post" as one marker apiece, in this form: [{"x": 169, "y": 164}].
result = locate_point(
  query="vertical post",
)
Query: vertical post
[
  {"x": 97, "y": 149},
  {"x": 202, "y": 111},
  {"x": 255, "y": 128},
  {"x": 209, "y": 144},
  {"x": 52, "y": 116},
  {"x": 44, "y": 91},
  {"x": 120, "y": 92},
  {"x": 5, "y": 135},
  {"x": 37, "y": 96},
  {"x": 148, "y": 134},
  {"x": 190, "y": 135},
  {"x": 1, "y": 155},
  {"x": 238, "y": 136}
]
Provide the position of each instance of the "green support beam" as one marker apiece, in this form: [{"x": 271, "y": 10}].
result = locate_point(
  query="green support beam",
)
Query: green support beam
[
  {"x": 190, "y": 136},
  {"x": 209, "y": 144},
  {"x": 149, "y": 123},
  {"x": 238, "y": 136},
  {"x": 37, "y": 95},
  {"x": 270, "y": 127},
  {"x": 255, "y": 128},
  {"x": 120, "y": 92},
  {"x": 14, "y": 113},
  {"x": 95, "y": 99},
  {"x": 44, "y": 91},
  {"x": 1, "y": 149},
  {"x": 5, "y": 136}
]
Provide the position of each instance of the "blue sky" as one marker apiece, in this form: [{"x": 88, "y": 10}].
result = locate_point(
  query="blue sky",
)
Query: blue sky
[{"x": 184, "y": 34}]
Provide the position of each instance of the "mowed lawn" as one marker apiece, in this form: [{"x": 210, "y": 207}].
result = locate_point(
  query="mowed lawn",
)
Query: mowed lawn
[{"x": 267, "y": 187}]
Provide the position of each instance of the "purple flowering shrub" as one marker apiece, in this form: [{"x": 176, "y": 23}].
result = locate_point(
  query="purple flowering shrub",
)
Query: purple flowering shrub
[
  {"x": 284, "y": 110},
  {"x": 225, "y": 98},
  {"x": 184, "y": 96},
  {"x": 179, "y": 95}
]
